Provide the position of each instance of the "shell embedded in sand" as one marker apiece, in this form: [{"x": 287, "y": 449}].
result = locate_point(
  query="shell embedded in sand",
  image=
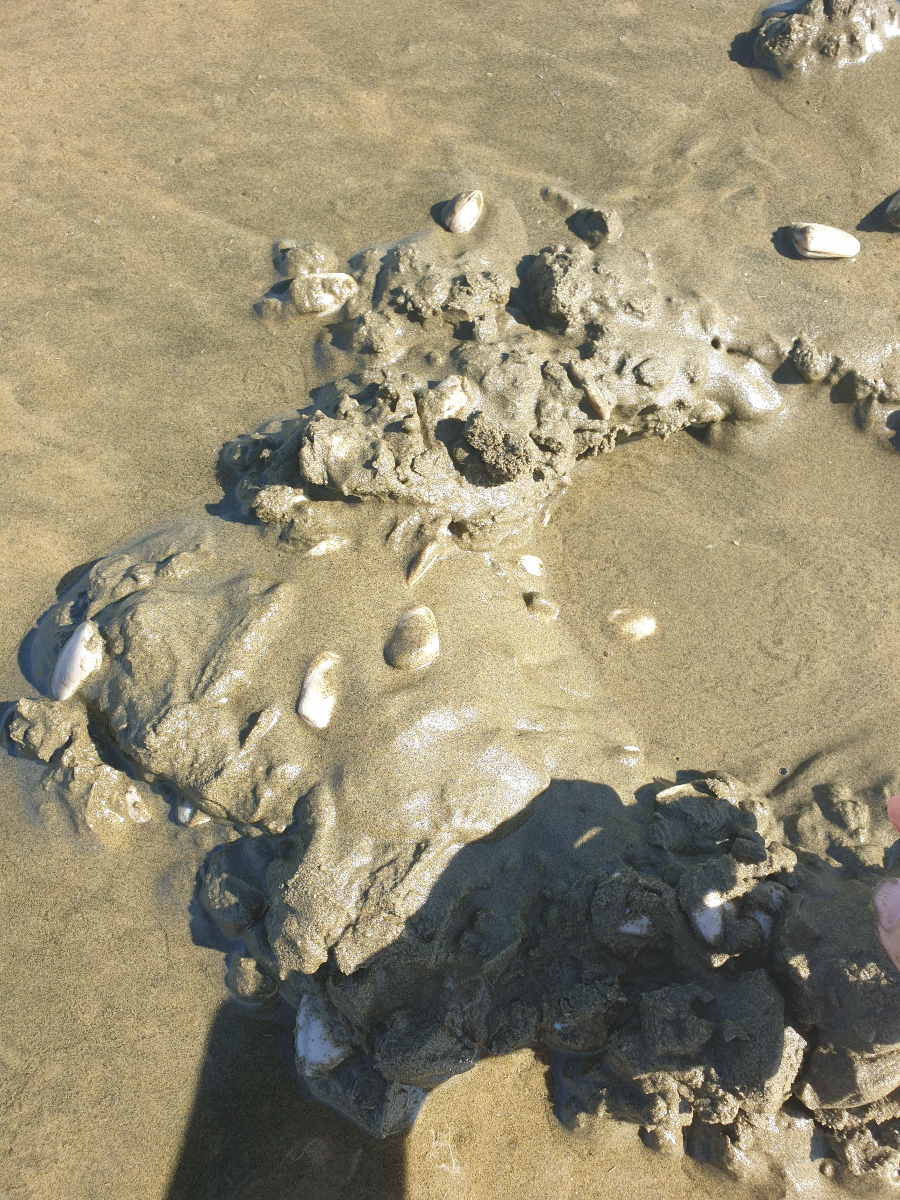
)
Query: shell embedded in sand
[
  {"x": 532, "y": 564},
  {"x": 317, "y": 1051},
  {"x": 461, "y": 214},
  {"x": 424, "y": 561},
  {"x": 632, "y": 624},
  {"x": 327, "y": 546},
  {"x": 81, "y": 655},
  {"x": 451, "y": 397},
  {"x": 892, "y": 210},
  {"x": 189, "y": 814},
  {"x": 414, "y": 643},
  {"x": 709, "y": 921},
  {"x": 823, "y": 241},
  {"x": 318, "y": 695},
  {"x": 322, "y": 293}
]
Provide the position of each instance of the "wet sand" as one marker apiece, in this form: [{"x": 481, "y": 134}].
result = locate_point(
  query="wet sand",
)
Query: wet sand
[{"x": 151, "y": 157}]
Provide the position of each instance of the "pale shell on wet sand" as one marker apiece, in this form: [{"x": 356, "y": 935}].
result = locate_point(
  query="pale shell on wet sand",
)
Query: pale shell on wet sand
[
  {"x": 823, "y": 241},
  {"x": 451, "y": 398},
  {"x": 327, "y": 546},
  {"x": 189, "y": 814},
  {"x": 461, "y": 214},
  {"x": 414, "y": 643},
  {"x": 318, "y": 694},
  {"x": 532, "y": 564},
  {"x": 322, "y": 293},
  {"x": 423, "y": 561},
  {"x": 81, "y": 655},
  {"x": 632, "y": 624}
]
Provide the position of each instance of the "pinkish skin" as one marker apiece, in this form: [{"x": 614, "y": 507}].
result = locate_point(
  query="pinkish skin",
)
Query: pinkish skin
[{"x": 887, "y": 899}]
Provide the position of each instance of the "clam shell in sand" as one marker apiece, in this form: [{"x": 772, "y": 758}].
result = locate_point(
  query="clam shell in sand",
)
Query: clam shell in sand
[
  {"x": 823, "y": 241},
  {"x": 79, "y": 658}
]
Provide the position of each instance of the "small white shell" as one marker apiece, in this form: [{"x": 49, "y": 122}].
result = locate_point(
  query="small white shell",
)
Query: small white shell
[
  {"x": 451, "y": 398},
  {"x": 327, "y": 546},
  {"x": 532, "y": 564},
  {"x": 322, "y": 293},
  {"x": 631, "y": 624},
  {"x": 461, "y": 214},
  {"x": 892, "y": 210},
  {"x": 317, "y": 1051},
  {"x": 823, "y": 241},
  {"x": 414, "y": 643},
  {"x": 135, "y": 807},
  {"x": 638, "y": 926},
  {"x": 710, "y": 919},
  {"x": 318, "y": 695},
  {"x": 81, "y": 655},
  {"x": 424, "y": 561}
]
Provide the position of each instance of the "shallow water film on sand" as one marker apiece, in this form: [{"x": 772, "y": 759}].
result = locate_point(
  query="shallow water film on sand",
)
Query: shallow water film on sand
[{"x": 472, "y": 662}]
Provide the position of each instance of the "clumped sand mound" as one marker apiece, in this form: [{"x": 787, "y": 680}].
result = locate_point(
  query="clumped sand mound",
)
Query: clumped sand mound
[{"x": 439, "y": 842}]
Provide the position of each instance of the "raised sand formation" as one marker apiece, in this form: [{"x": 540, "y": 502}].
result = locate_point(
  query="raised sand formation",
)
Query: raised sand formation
[
  {"x": 799, "y": 37},
  {"x": 441, "y": 842}
]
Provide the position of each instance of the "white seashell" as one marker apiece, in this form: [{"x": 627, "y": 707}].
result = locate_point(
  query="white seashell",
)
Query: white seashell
[
  {"x": 185, "y": 812},
  {"x": 639, "y": 926},
  {"x": 823, "y": 241},
  {"x": 532, "y": 564},
  {"x": 81, "y": 655},
  {"x": 764, "y": 921},
  {"x": 461, "y": 214},
  {"x": 318, "y": 696},
  {"x": 322, "y": 293},
  {"x": 135, "y": 807},
  {"x": 424, "y": 561},
  {"x": 317, "y": 1051},
  {"x": 709, "y": 920},
  {"x": 892, "y": 210},
  {"x": 327, "y": 546},
  {"x": 414, "y": 643},
  {"x": 451, "y": 397},
  {"x": 632, "y": 625}
]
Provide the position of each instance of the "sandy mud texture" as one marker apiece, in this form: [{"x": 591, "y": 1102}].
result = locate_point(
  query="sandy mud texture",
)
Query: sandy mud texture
[
  {"x": 834, "y": 32},
  {"x": 439, "y": 842}
]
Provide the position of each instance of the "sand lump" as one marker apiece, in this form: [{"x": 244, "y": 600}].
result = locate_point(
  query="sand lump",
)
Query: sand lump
[
  {"x": 797, "y": 38},
  {"x": 436, "y": 839}
]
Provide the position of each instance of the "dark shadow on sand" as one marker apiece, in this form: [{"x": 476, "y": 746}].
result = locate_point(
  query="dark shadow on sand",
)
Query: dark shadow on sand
[
  {"x": 784, "y": 244},
  {"x": 743, "y": 50},
  {"x": 875, "y": 221},
  {"x": 252, "y": 1136}
]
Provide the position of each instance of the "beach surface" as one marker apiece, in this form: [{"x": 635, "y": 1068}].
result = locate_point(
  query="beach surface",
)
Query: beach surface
[{"x": 152, "y": 155}]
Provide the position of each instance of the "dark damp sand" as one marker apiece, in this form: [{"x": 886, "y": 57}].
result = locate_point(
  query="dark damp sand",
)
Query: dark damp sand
[{"x": 151, "y": 155}]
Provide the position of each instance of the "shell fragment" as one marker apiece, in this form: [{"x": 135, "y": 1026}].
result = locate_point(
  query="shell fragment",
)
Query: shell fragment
[
  {"x": 632, "y": 624},
  {"x": 322, "y": 293},
  {"x": 424, "y": 561},
  {"x": 318, "y": 695},
  {"x": 414, "y": 643},
  {"x": 81, "y": 655},
  {"x": 823, "y": 241}
]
